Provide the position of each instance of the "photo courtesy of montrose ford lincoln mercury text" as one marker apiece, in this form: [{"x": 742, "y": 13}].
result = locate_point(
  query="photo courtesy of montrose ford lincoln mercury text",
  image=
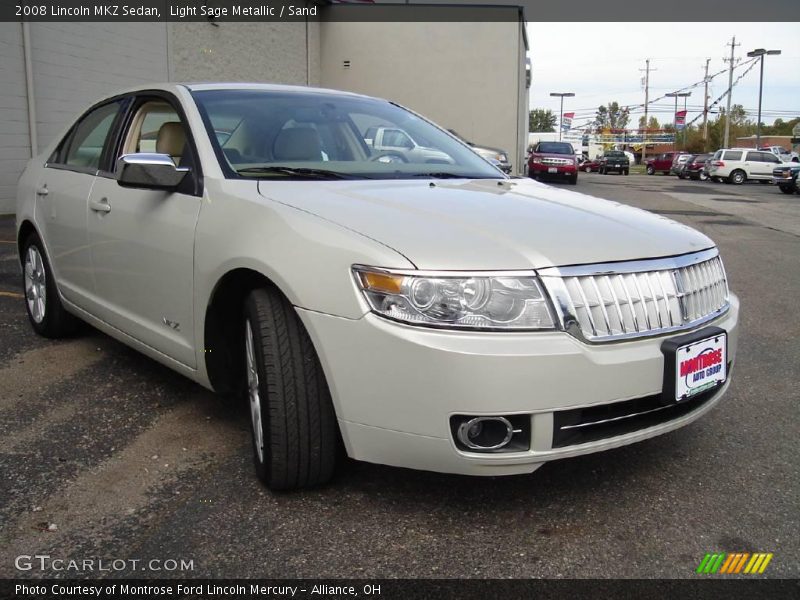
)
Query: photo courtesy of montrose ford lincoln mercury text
[{"x": 417, "y": 308}]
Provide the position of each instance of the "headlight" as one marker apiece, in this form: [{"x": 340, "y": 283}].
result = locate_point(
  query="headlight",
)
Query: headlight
[
  {"x": 510, "y": 301},
  {"x": 484, "y": 153}
]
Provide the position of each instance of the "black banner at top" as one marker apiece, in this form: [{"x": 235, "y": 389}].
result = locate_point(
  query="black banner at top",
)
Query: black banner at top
[{"x": 393, "y": 10}]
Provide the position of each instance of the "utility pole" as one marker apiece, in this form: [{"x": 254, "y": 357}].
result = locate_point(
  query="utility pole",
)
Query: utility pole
[
  {"x": 733, "y": 45},
  {"x": 705, "y": 110},
  {"x": 646, "y": 106}
]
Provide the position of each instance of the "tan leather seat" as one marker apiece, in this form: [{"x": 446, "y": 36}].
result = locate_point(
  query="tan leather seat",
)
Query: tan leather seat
[
  {"x": 297, "y": 143},
  {"x": 171, "y": 140}
]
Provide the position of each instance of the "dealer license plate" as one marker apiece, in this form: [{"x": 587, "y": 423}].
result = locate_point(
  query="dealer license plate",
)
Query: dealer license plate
[
  {"x": 700, "y": 366},
  {"x": 552, "y": 170}
]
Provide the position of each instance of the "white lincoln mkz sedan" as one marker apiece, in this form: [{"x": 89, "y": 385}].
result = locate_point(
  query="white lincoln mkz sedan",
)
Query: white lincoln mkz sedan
[{"x": 435, "y": 315}]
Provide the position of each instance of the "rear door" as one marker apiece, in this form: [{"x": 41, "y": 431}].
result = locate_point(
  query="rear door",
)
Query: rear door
[
  {"x": 62, "y": 193},
  {"x": 143, "y": 240}
]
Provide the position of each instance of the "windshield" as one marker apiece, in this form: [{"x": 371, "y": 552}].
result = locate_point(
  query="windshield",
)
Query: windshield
[
  {"x": 288, "y": 134},
  {"x": 554, "y": 148},
  {"x": 615, "y": 153}
]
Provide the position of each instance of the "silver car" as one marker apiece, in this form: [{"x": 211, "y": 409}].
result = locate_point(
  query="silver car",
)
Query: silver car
[{"x": 437, "y": 316}]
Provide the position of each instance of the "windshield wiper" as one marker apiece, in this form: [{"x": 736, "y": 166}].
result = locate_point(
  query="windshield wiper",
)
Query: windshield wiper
[
  {"x": 443, "y": 175},
  {"x": 300, "y": 171}
]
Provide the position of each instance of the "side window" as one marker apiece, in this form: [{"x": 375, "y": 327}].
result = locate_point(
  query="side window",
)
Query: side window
[
  {"x": 85, "y": 145},
  {"x": 733, "y": 155}
]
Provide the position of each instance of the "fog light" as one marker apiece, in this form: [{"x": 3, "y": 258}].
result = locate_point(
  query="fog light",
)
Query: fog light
[{"x": 491, "y": 434}]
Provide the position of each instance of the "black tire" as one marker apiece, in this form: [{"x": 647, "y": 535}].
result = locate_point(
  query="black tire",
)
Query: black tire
[
  {"x": 573, "y": 180},
  {"x": 55, "y": 322},
  {"x": 650, "y": 170},
  {"x": 737, "y": 177},
  {"x": 786, "y": 189},
  {"x": 297, "y": 420},
  {"x": 626, "y": 172}
]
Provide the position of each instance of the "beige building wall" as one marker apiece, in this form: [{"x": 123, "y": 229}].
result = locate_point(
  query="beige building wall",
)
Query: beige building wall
[
  {"x": 286, "y": 52},
  {"x": 464, "y": 76},
  {"x": 66, "y": 76}
]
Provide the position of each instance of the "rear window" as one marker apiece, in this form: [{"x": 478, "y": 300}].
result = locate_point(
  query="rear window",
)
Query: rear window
[
  {"x": 733, "y": 155},
  {"x": 554, "y": 148}
]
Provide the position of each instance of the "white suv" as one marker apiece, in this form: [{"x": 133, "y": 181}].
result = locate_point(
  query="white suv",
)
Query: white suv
[{"x": 737, "y": 165}]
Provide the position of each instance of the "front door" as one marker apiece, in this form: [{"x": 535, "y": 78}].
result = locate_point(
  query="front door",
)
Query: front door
[{"x": 142, "y": 241}]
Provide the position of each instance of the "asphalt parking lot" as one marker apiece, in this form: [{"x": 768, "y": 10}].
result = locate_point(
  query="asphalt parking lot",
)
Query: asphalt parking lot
[{"x": 106, "y": 454}]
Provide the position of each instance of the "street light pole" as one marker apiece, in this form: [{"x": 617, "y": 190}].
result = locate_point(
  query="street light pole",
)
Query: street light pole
[
  {"x": 561, "y": 113},
  {"x": 760, "y": 52}
]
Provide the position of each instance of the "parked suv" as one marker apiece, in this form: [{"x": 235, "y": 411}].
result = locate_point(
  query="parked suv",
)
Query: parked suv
[
  {"x": 614, "y": 160},
  {"x": 737, "y": 165},
  {"x": 678, "y": 162},
  {"x": 553, "y": 160},
  {"x": 661, "y": 163},
  {"x": 693, "y": 168}
]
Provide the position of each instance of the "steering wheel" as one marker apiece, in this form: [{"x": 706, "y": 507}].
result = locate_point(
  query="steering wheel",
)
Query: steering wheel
[{"x": 389, "y": 157}]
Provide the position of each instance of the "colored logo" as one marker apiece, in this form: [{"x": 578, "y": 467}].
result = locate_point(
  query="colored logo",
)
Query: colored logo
[{"x": 733, "y": 563}]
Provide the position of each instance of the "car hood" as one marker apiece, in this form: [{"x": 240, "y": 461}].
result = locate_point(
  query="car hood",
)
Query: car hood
[{"x": 487, "y": 224}]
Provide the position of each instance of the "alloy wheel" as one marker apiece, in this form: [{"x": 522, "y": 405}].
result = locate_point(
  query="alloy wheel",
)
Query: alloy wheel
[
  {"x": 35, "y": 284},
  {"x": 252, "y": 391}
]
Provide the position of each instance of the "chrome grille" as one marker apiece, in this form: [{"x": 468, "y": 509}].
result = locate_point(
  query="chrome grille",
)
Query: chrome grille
[
  {"x": 623, "y": 300},
  {"x": 547, "y": 160}
]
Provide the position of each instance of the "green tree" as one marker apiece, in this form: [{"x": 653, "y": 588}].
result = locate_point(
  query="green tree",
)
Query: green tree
[
  {"x": 541, "y": 120},
  {"x": 611, "y": 116},
  {"x": 652, "y": 123}
]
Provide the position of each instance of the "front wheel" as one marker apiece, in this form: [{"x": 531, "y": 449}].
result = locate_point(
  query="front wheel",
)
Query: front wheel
[
  {"x": 573, "y": 180},
  {"x": 626, "y": 172},
  {"x": 786, "y": 189},
  {"x": 291, "y": 413},
  {"x": 45, "y": 311}
]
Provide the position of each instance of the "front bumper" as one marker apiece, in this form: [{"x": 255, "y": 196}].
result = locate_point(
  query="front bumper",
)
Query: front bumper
[
  {"x": 554, "y": 171},
  {"x": 395, "y": 387}
]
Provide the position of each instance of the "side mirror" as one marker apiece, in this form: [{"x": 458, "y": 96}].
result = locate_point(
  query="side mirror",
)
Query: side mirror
[{"x": 149, "y": 171}]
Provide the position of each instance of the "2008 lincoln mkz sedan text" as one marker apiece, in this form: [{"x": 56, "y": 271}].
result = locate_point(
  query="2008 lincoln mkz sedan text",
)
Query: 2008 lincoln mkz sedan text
[{"x": 421, "y": 308}]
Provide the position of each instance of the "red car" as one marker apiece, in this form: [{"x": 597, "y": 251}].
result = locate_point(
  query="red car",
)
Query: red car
[
  {"x": 590, "y": 165},
  {"x": 553, "y": 160},
  {"x": 661, "y": 163}
]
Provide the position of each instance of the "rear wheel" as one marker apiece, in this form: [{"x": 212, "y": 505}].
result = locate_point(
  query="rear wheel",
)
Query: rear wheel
[
  {"x": 45, "y": 311},
  {"x": 650, "y": 170},
  {"x": 587, "y": 169},
  {"x": 738, "y": 177},
  {"x": 292, "y": 418}
]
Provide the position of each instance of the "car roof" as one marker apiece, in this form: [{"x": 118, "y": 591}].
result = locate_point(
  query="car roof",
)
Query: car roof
[{"x": 203, "y": 86}]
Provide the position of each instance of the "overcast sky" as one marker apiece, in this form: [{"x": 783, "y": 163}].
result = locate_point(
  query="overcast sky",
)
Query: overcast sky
[{"x": 600, "y": 62}]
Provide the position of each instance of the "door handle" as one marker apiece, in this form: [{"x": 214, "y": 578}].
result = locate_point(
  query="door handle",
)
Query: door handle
[
  {"x": 42, "y": 191},
  {"x": 101, "y": 206}
]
